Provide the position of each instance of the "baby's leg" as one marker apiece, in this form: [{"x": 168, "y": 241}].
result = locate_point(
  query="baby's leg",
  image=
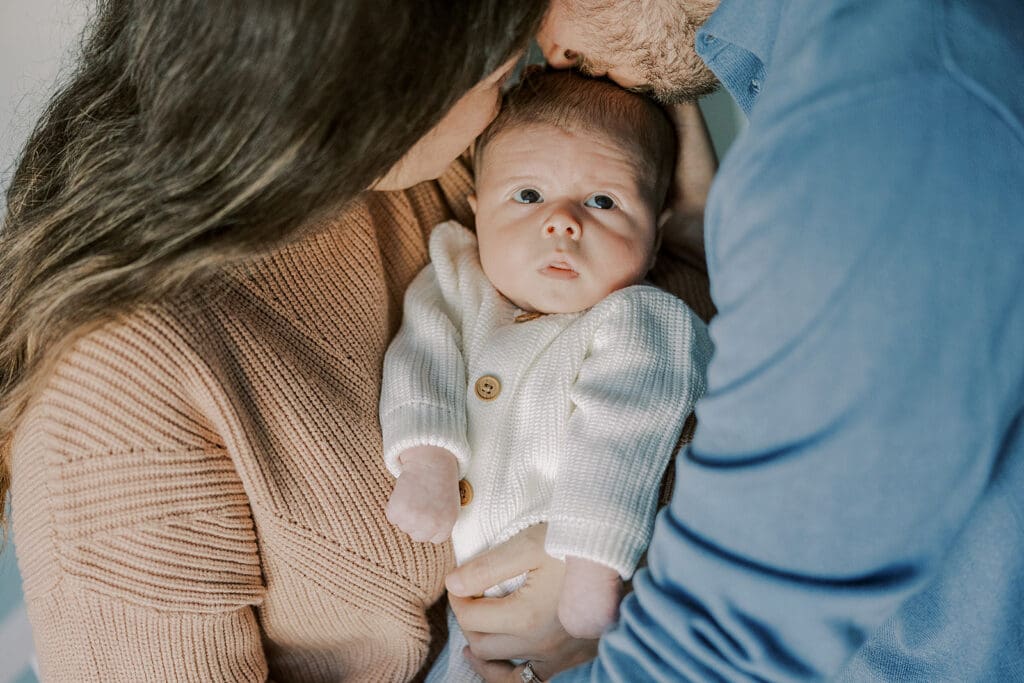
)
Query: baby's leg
[{"x": 590, "y": 597}]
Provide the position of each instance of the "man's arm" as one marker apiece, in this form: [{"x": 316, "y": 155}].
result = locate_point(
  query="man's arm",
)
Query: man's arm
[
  {"x": 696, "y": 164},
  {"x": 865, "y": 260}
]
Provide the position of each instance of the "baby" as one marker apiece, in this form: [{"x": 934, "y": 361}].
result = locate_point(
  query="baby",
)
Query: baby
[{"x": 534, "y": 378}]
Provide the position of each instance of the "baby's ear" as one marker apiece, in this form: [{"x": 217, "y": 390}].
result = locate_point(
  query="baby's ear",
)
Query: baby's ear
[
  {"x": 655, "y": 251},
  {"x": 472, "y": 202},
  {"x": 658, "y": 234},
  {"x": 662, "y": 219}
]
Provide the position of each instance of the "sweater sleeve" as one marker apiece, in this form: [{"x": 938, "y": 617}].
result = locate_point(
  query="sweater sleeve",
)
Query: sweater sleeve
[
  {"x": 134, "y": 533},
  {"x": 423, "y": 391},
  {"x": 643, "y": 373}
]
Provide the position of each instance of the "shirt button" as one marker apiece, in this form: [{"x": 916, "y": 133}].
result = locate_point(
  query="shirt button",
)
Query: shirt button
[
  {"x": 755, "y": 86},
  {"x": 465, "y": 493},
  {"x": 487, "y": 388},
  {"x": 708, "y": 38}
]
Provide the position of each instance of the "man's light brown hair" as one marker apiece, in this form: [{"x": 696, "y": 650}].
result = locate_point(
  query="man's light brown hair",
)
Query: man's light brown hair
[{"x": 575, "y": 103}]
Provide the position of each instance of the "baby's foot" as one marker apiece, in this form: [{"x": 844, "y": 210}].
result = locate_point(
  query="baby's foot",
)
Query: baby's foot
[
  {"x": 590, "y": 597},
  {"x": 425, "y": 502}
]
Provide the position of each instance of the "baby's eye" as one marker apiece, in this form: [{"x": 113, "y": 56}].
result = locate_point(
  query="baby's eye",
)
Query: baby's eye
[
  {"x": 600, "y": 201},
  {"x": 527, "y": 196}
]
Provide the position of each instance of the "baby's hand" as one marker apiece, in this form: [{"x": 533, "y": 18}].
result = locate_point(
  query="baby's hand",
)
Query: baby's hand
[
  {"x": 590, "y": 598},
  {"x": 425, "y": 501}
]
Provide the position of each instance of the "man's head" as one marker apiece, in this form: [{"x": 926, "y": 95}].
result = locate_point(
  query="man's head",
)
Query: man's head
[
  {"x": 571, "y": 180},
  {"x": 648, "y": 46}
]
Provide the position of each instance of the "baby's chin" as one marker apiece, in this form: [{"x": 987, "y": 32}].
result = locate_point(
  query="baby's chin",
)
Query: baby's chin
[{"x": 552, "y": 303}]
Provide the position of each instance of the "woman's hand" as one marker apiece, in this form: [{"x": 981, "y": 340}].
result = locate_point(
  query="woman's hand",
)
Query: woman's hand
[{"x": 522, "y": 625}]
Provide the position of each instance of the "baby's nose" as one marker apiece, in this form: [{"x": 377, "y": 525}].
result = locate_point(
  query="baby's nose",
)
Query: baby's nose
[{"x": 563, "y": 224}]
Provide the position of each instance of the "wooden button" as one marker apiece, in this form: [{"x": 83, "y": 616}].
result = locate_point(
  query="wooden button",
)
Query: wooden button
[
  {"x": 527, "y": 317},
  {"x": 465, "y": 493},
  {"x": 487, "y": 388}
]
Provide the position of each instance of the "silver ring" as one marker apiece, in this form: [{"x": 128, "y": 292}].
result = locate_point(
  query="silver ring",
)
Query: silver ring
[{"x": 528, "y": 675}]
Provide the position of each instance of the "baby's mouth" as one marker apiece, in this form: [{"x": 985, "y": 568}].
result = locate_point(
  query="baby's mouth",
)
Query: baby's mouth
[{"x": 559, "y": 269}]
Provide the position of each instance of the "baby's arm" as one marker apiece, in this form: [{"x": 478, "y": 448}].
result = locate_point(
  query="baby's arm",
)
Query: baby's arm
[
  {"x": 644, "y": 371},
  {"x": 422, "y": 404},
  {"x": 425, "y": 501}
]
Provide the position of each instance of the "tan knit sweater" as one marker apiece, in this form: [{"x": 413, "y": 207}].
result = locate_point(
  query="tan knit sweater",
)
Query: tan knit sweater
[{"x": 199, "y": 493}]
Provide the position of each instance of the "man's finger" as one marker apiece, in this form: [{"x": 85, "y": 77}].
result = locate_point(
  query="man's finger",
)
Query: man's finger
[
  {"x": 510, "y": 559},
  {"x": 493, "y": 672}
]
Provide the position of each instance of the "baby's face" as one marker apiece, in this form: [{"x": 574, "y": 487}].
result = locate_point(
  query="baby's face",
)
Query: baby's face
[{"x": 563, "y": 219}]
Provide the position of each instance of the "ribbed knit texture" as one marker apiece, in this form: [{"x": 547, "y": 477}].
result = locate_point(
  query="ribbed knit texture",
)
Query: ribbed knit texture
[{"x": 198, "y": 494}]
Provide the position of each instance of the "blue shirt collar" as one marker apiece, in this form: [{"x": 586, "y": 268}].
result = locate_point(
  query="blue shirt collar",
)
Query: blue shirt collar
[{"x": 737, "y": 41}]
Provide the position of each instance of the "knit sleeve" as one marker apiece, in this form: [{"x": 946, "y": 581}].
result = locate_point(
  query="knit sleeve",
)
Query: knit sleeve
[
  {"x": 133, "y": 530},
  {"x": 644, "y": 371},
  {"x": 423, "y": 391}
]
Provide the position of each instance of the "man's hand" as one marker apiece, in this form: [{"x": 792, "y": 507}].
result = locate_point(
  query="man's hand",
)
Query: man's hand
[
  {"x": 425, "y": 502},
  {"x": 522, "y": 625},
  {"x": 696, "y": 165}
]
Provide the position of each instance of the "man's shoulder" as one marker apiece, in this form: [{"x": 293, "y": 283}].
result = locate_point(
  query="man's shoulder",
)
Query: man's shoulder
[{"x": 844, "y": 53}]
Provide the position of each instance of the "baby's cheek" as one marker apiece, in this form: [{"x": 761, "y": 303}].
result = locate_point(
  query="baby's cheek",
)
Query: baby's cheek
[
  {"x": 629, "y": 266},
  {"x": 506, "y": 277}
]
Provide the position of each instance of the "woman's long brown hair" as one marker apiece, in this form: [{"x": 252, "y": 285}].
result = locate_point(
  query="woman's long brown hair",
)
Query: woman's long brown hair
[{"x": 195, "y": 132}]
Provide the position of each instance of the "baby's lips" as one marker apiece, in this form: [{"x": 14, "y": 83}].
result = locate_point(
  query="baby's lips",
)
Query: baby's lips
[{"x": 561, "y": 263}]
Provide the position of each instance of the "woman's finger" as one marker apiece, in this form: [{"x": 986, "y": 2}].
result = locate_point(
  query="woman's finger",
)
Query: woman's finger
[
  {"x": 518, "y": 614},
  {"x": 528, "y": 611},
  {"x": 521, "y": 553},
  {"x": 499, "y": 646},
  {"x": 487, "y": 615},
  {"x": 558, "y": 651},
  {"x": 493, "y": 672}
]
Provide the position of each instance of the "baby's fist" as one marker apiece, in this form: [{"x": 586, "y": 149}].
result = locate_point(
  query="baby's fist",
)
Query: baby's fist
[
  {"x": 425, "y": 502},
  {"x": 590, "y": 597}
]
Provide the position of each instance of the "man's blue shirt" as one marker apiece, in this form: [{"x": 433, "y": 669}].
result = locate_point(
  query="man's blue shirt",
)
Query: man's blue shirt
[{"x": 852, "y": 505}]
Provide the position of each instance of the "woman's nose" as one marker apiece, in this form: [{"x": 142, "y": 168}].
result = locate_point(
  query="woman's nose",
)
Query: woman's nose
[{"x": 563, "y": 223}]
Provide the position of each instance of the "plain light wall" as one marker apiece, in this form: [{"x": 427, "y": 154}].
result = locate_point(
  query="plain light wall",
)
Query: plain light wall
[{"x": 38, "y": 39}]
